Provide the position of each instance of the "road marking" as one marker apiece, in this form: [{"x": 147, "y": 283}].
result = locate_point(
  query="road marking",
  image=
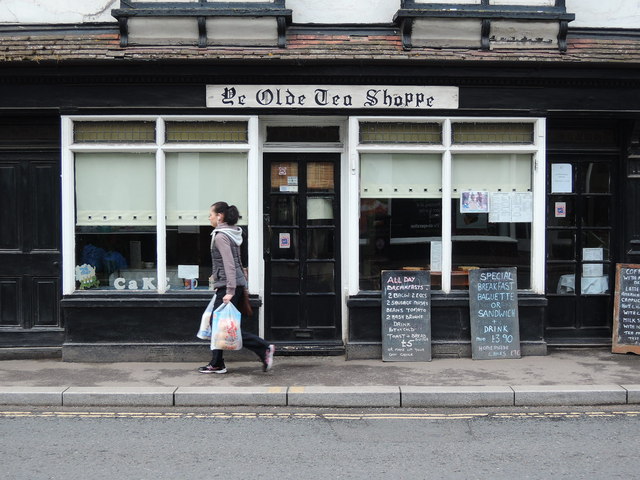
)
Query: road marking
[{"x": 325, "y": 416}]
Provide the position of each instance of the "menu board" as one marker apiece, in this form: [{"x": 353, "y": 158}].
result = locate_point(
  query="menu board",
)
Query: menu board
[
  {"x": 493, "y": 302},
  {"x": 406, "y": 316},
  {"x": 626, "y": 310}
]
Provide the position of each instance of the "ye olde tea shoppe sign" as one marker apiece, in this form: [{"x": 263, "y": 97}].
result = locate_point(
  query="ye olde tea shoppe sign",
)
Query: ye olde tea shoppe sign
[{"x": 331, "y": 96}]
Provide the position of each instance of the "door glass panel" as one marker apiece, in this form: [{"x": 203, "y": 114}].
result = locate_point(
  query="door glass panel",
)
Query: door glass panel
[
  {"x": 320, "y": 211},
  {"x": 562, "y": 245},
  {"x": 561, "y": 211},
  {"x": 320, "y": 243},
  {"x": 285, "y": 277},
  {"x": 284, "y": 210},
  {"x": 284, "y": 177},
  {"x": 596, "y": 212},
  {"x": 320, "y": 177},
  {"x": 597, "y": 239},
  {"x": 561, "y": 279},
  {"x": 284, "y": 243},
  {"x": 596, "y": 178},
  {"x": 320, "y": 277}
]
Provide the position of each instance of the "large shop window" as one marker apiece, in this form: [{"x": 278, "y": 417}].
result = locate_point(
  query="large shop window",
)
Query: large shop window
[
  {"x": 446, "y": 197},
  {"x": 142, "y": 192}
]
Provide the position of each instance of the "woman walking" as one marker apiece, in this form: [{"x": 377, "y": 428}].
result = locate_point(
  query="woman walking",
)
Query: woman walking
[{"x": 230, "y": 281}]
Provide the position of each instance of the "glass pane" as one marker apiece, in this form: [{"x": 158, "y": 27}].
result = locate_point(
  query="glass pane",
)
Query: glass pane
[
  {"x": 596, "y": 212},
  {"x": 561, "y": 279},
  {"x": 206, "y": 132},
  {"x": 284, "y": 177},
  {"x": 496, "y": 172},
  {"x": 285, "y": 277},
  {"x": 284, "y": 243},
  {"x": 428, "y": 133},
  {"x": 561, "y": 211},
  {"x": 321, "y": 243},
  {"x": 284, "y": 210},
  {"x": 597, "y": 239},
  {"x": 114, "y": 132},
  {"x": 476, "y": 242},
  {"x": 386, "y": 175},
  {"x": 397, "y": 233},
  {"x": 189, "y": 180},
  {"x": 303, "y": 134},
  {"x": 320, "y": 177},
  {"x": 595, "y": 279},
  {"x": 596, "y": 177},
  {"x": 320, "y": 211},
  {"x": 511, "y": 133},
  {"x": 320, "y": 277},
  {"x": 562, "y": 245}
]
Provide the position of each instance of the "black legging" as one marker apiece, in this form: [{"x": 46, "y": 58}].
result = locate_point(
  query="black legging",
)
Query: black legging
[{"x": 253, "y": 342}]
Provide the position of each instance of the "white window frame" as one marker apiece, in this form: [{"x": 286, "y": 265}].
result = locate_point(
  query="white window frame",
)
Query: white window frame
[
  {"x": 447, "y": 149},
  {"x": 159, "y": 148}
]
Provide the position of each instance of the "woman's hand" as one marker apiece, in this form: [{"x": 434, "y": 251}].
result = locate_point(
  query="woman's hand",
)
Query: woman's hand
[{"x": 227, "y": 298}]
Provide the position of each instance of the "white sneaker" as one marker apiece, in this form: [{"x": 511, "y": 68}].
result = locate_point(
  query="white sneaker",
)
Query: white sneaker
[{"x": 267, "y": 363}]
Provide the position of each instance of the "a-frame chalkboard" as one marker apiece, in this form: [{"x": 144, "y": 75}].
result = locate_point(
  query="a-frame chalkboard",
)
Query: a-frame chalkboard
[{"x": 626, "y": 310}]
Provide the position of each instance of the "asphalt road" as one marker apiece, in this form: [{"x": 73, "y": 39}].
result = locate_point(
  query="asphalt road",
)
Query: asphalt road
[{"x": 319, "y": 444}]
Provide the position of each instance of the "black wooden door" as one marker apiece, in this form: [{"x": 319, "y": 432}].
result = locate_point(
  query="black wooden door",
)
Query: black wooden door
[
  {"x": 581, "y": 246},
  {"x": 30, "y": 258},
  {"x": 301, "y": 239}
]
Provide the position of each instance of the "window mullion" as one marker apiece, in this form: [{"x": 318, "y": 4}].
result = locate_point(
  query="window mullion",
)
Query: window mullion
[
  {"x": 161, "y": 224},
  {"x": 446, "y": 208}
]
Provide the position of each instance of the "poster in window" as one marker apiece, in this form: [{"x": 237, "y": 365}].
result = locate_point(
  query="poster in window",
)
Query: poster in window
[
  {"x": 561, "y": 178},
  {"x": 474, "y": 202}
]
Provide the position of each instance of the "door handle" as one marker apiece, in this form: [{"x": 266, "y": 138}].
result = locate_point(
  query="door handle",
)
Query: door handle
[{"x": 266, "y": 218}]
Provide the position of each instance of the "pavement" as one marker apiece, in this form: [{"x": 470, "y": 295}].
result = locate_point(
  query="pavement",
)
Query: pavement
[{"x": 565, "y": 377}]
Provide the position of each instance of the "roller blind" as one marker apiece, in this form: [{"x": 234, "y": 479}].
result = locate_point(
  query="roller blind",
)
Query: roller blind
[
  {"x": 115, "y": 189},
  {"x": 196, "y": 180},
  {"x": 400, "y": 175},
  {"x": 491, "y": 172}
]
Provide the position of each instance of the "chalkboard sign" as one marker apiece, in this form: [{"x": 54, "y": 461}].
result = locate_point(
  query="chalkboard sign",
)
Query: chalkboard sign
[
  {"x": 406, "y": 316},
  {"x": 493, "y": 301},
  {"x": 626, "y": 310}
]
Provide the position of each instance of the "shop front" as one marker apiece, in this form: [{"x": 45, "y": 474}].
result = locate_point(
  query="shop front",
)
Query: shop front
[{"x": 387, "y": 154}]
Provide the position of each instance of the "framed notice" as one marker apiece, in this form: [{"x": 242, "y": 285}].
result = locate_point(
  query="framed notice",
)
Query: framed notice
[{"x": 626, "y": 310}]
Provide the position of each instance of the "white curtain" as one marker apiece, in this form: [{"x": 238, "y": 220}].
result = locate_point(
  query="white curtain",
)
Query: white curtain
[
  {"x": 390, "y": 175},
  {"x": 196, "y": 180},
  {"x": 493, "y": 172},
  {"x": 115, "y": 189}
]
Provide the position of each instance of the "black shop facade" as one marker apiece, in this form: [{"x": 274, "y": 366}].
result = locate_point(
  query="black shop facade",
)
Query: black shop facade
[{"x": 339, "y": 173}]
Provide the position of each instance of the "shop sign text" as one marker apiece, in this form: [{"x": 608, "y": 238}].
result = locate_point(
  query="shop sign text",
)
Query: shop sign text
[{"x": 331, "y": 96}]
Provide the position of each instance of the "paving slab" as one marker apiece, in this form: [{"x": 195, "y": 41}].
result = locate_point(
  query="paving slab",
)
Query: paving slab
[
  {"x": 533, "y": 395},
  {"x": 118, "y": 396},
  {"x": 460, "y": 396},
  {"x": 633, "y": 393},
  {"x": 216, "y": 396},
  {"x": 24, "y": 395},
  {"x": 354, "y": 396}
]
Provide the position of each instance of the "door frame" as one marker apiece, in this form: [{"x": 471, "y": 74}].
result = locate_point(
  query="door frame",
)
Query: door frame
[{"x": 341, "y": 148}]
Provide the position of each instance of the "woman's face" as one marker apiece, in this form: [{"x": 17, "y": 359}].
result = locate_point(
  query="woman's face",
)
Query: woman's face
[{"x": 214, "y": 218}]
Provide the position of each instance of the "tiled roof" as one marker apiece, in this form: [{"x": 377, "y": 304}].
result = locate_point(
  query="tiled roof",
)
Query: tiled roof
[{"x": 100, "y": 45}]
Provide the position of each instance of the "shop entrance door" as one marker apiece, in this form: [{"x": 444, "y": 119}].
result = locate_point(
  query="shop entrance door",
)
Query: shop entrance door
[
  {"x": 301, "y": 247},
  {"x": 30, "y": 256},
  {"x": 581, "y": 247}
]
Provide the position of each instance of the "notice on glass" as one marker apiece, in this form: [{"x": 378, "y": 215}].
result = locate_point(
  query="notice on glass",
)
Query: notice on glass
[
  {"x": 406, "y": 316},
  {"x": 561, "y": 178},
  {"x": 511, "y": 207},
  {"x": 188, "y": 271},
  {"x": 436, "y": 256},
  {"x": 592, "y": 269},
  {"x": 626, "y": 310}
]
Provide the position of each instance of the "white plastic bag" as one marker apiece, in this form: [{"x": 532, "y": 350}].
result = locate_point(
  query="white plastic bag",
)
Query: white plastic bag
[
  {"x": 205, "y": 323},
  {"x": 225, "y": 328}
]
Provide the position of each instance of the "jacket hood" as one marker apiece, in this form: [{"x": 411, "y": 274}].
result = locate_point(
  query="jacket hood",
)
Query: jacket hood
[{"x": 233, "y": 232}]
